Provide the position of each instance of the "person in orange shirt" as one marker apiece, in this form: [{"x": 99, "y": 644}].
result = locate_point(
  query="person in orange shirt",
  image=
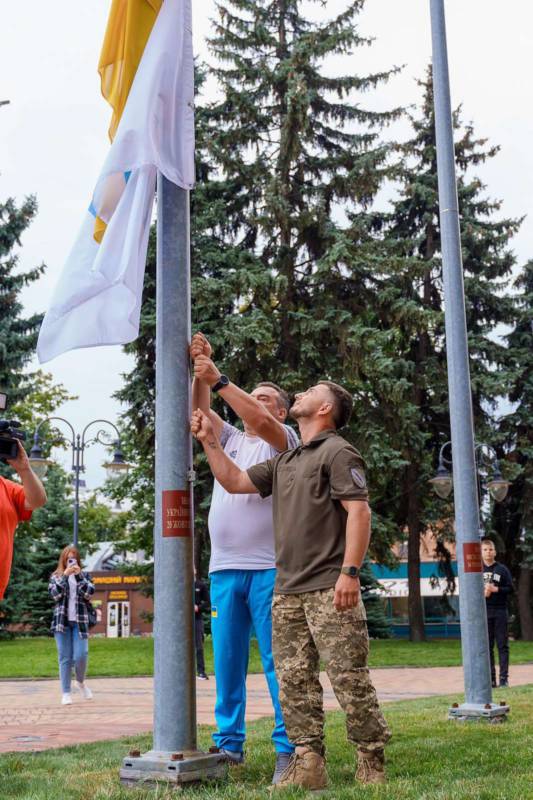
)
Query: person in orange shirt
[{"x": 16, "y": 505}]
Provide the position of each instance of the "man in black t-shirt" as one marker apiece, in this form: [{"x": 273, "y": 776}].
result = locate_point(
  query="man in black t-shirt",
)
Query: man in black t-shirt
[
  {"x": 498, "y": 587},
  {"x": 201, "y": 604}
]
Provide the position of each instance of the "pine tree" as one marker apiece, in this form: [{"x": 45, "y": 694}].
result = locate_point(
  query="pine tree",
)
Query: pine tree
[
  {"x": 283, "y": 252},
  {"x": 514, "y": 517},
  {"x": 300, "y": 162},
  {"x": 413, "y": 298},
  {"x": 18, "y": 334}
]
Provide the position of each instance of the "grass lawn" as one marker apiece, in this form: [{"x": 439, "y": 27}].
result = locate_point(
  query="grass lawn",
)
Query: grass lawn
[
  {"x": 429, "y": 758},
  {"x": 37, "y": 658}
]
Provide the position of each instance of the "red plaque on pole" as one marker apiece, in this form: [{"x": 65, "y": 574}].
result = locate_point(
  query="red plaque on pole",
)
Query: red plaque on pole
[
  {"x": 176, "y": 512},
  {"x": 472, "y": 557}
]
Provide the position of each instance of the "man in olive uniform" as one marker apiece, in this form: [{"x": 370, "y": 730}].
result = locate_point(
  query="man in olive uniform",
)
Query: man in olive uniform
[{"x": 322, "y": 530}]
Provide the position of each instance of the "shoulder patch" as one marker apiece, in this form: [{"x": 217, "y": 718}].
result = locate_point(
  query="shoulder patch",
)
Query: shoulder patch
[{"x": 358, "y": 477}]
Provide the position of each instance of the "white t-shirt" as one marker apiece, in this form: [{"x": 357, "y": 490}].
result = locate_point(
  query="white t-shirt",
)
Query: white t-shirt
[
  {"x": 240, "y": 525},
  {"x": 72, "y": 597}
]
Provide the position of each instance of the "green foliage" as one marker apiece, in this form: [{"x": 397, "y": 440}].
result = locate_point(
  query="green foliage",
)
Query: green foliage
[
  {"x": 18, "y": 334},
  {"x": 298, "y": 277},
  {"x": 44, "y": 398},
  {"x": 378, "y": 624},
  {"x": 98, "y": 523},
  {"x": 277, "y": 280},
  {"x": 413, "y": 403},
  {"x": 515, "y": 517}
]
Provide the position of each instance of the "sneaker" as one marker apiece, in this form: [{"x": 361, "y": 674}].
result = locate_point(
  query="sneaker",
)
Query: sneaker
[
  {"x": 282, "y": 762},
  {"x": 504, "y": 682},
  {"x": 85, "y": 691},
  {"x": 233, "y": 757},
  {"x": 306, "y": 769},
  {"x": 494, "y": 684},
  {"x": 370, "y": 766},
  {"x": 202, "y": 676},
  {"x": 66, "y": 699}
]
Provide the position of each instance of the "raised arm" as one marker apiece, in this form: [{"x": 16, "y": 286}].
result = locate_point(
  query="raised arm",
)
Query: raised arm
[
  {"x": 227, "y": 473},
  {"x": 248, "y": 408},
  {"x": 201, "y": 391},
  {"x": 33, "y": 489}
]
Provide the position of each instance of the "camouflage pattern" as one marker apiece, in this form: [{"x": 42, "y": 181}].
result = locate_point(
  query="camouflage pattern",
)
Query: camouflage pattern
[{"x": 307, "y": 629}]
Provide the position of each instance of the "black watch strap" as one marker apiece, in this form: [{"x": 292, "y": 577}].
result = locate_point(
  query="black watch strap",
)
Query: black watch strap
[
  {"x": 221, "y": 384},
  {"x": 353, "y": 572}
]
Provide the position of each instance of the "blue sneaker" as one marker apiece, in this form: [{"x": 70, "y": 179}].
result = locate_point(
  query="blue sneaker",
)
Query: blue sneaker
[{"x": 282, "y": 762}]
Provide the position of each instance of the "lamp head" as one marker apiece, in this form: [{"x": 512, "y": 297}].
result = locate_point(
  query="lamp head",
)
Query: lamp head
[
  {"x": 442, "y": 482},
  {"x": 497, "y": 486},
  {"x": 118, "y": 467},
  {"x": 38, "y": 463}
]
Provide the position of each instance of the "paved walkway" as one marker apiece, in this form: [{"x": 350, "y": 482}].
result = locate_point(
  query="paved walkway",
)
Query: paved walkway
[{"x": 31, "y": 717}]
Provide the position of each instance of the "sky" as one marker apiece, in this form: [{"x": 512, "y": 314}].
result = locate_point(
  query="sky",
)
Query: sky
[{"x": 53, "y": 135}]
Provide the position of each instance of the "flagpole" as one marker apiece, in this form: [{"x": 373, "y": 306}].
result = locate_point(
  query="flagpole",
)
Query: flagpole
[
  {"x": 473, "y": 615},
  {"x": 175, "y": 757},
  {"x": 174, "y": 654}
]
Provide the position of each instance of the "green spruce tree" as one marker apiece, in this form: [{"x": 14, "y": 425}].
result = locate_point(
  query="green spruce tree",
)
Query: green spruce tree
[
  {"x": 413, "y": 308},
  {"x": 283, "y": 250},
  {"x": 513, "y": 519},
  {"x": 18, "y": 333}
]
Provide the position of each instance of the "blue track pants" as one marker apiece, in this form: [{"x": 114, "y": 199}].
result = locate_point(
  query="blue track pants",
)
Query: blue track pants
[{"x": 241, "y": 601}]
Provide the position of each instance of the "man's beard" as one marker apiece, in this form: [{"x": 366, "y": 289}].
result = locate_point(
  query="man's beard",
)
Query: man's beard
[{"x": 297, "y": 413}]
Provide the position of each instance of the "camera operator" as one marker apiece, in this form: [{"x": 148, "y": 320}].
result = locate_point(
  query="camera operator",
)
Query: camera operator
[{"x": 16, "y": 505}]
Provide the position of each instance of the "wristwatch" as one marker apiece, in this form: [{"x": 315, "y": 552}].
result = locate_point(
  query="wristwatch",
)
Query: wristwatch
[
  {"x": 353, "y": 572},
  {"x": 222, "y": 382}
]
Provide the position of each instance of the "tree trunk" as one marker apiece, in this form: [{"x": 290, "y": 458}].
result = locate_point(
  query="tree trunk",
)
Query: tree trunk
[
  {"x": 414, "y": 600},
  {"x": 524, "y": 604}
]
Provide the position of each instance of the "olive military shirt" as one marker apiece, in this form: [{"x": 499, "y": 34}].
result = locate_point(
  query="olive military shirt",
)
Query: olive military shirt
[{"x": 307, "y": 485}]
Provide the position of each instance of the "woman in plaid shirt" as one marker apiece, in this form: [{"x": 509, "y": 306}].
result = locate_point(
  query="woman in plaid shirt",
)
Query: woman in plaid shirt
[{"x": 70, "y": 588}]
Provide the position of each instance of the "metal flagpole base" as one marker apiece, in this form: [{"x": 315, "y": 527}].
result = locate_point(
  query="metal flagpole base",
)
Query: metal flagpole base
[
  {"x": 468, "y": 712},
  {"x": 172, "y": 768}
]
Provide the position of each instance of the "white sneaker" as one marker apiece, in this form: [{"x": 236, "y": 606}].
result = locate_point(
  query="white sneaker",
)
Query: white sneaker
[
  {"x": 85, "y": 691},
  {"x": 66, "y": 699}
]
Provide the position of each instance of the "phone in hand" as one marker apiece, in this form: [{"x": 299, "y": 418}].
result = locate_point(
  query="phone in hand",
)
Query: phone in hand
[{"x": 71, "y": 562}]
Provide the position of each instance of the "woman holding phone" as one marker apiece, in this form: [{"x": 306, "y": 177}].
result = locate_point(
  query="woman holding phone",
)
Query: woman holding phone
[{"x": 70, "y": 588}]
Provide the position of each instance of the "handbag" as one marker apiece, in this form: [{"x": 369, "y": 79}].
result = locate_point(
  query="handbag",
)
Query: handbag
[{"x": 91, "y": 613}]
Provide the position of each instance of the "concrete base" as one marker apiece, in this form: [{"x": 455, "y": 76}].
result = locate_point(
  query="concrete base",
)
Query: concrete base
[
  {"x": 172, "y": 768},
  {"x": 478, "y": 711}
]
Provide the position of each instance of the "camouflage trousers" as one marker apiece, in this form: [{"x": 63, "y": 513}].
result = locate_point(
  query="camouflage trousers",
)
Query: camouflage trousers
[{"x": 306, "y": 628}]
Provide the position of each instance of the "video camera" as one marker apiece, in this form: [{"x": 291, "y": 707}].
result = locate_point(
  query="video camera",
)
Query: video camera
[{"x": 9, "y": 435}]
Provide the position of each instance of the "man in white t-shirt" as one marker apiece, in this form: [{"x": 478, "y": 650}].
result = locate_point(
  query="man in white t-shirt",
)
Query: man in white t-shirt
[{"x": 242, "y": 566}]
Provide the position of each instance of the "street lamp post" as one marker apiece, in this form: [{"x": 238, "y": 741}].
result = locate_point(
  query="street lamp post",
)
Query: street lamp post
[{"x": 78, "y": 443}]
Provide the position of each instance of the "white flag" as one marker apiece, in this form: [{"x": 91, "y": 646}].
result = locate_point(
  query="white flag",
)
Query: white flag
[{"x": 97, "y": 300}]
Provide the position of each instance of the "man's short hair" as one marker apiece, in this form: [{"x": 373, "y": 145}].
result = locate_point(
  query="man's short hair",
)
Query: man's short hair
[
  {"x": 342, "y": 403},
  {"x": 488, "y": 541},
  {"x": 283, "y": 397}
]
